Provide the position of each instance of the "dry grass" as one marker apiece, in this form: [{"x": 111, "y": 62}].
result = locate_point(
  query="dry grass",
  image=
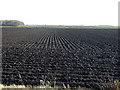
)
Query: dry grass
[
  {"x": 47, "y": 87},
  {"x": 106, "y": 86}
]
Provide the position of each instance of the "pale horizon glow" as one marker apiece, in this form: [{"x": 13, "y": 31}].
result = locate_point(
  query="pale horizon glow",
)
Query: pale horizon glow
[{"x": 61, "y": 12}]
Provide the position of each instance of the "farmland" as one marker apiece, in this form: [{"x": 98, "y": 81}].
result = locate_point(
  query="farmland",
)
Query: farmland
[{"x": 85, "y": 57}]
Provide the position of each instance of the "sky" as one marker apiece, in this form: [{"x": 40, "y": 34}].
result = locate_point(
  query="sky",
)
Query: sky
[{"x": 61, "y": 12}]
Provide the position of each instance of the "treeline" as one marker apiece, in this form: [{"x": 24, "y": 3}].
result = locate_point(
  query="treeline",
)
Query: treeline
[{"x": 11, "y": 23}]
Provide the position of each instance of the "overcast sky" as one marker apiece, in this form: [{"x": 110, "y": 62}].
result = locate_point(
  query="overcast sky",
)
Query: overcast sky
[{"x": 61, "y": 12}]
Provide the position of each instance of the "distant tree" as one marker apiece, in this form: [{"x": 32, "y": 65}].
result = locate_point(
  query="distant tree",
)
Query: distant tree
[{"x": 11, "y": 23}]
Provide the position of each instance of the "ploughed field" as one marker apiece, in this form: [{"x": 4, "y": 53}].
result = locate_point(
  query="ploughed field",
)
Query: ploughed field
[{"x": 74, "y": 56}]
